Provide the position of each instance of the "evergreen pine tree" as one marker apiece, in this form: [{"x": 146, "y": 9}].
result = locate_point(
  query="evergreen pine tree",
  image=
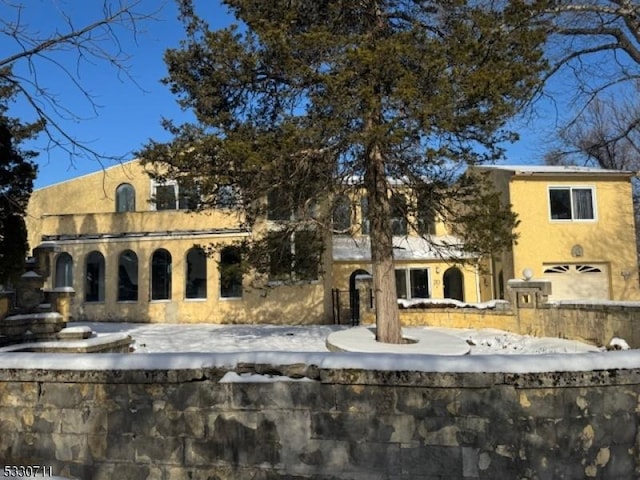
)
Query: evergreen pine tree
[{"x": 302, "y": 99}]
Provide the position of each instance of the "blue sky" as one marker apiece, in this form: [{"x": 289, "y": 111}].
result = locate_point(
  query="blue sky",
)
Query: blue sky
[{"x": 129, "y": 113}]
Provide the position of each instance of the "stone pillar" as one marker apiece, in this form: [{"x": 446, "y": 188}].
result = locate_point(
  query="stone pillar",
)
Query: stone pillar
[
  {"x": 529, "y": 293},
  {"x": 364, "y": 287},
  {"x": 29, "y": 293},
  {"x": 61, "y": 299},
  {"x": 43, "y": 254}
]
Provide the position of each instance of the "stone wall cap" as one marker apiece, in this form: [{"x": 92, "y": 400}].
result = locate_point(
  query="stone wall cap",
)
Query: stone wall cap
[
  {"x": 30, "y": 274},
  {"x": 491, "y": 364},
  {"x": 63, "y": 290}
]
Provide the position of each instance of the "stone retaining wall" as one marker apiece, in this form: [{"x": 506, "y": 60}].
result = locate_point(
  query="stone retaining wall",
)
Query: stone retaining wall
[{"x": 329, "y": 424}]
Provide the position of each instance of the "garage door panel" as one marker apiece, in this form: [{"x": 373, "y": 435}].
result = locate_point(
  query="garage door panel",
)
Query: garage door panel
[{"x": 578, "y": 281}]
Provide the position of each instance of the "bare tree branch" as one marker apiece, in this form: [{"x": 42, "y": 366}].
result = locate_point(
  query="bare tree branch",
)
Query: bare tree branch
[{"x": 66, "y": 48}]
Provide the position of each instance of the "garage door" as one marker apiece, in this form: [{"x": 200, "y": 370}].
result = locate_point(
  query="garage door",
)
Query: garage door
[{"x": 578, "y": 281}]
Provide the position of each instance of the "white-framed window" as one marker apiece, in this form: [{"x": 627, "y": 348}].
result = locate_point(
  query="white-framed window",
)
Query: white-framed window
[
  {"x": 174, "y": 195},
  {"x": 412, "y": 283},
  {"x": 572, "y": 203}
]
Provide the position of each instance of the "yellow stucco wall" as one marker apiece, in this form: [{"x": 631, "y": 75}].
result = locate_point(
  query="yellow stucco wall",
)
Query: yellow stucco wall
[
  {"x": 342, "y": 272},
  {"x": 609, "y": 239},
  {"x": 81, "y": 213},
  {"x": 296, "y": 304}
]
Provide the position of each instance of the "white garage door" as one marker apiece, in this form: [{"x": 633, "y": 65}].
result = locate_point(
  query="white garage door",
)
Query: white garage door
[{"x": 578, "y": 281}]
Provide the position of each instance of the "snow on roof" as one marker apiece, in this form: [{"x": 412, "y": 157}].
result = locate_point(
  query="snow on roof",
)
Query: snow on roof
[
  {"x": 554, "y": 170},
  {"x": 347, "y": 248}
]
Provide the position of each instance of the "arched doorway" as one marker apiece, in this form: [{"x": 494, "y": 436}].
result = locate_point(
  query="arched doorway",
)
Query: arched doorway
[
  {"x": 453, "y": 284},
  {"x": 354, "y": 298}
]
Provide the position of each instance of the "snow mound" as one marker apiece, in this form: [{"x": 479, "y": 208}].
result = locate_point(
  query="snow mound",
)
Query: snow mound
[{"x": 448, "y": 303}]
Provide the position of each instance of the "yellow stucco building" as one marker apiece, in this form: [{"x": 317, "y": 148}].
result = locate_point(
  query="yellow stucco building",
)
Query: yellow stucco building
[
  {"x": 576, "y": 229},
  {"x": 132, "y": 250}
]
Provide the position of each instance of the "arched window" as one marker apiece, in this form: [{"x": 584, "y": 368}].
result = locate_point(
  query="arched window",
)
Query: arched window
[
  {"x": 342, "y": 214},
  {"x": 125, "y": 198},
  {"x": 94, "y": 278},
  {"x": 230, "y": 273},
  {"x": 196, "y": 286},
  {"x": 161, "y": 275},
  {"x": 453, "y": 284},
  {"x": 64, "y": 270},
  {"x": 128, "y": 277}
]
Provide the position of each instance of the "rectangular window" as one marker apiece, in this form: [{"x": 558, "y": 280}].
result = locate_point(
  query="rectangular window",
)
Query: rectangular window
[
  {"x": 188, "y": 196},
  {"x": 226, "y": 196},
  {"x": 173, "y": 195},
  {"x": 277, "y": 208},
  {"x": 571, "y": 203},
  {"x": 165, "y": 197},
  {"x": 412, "y": 283},
  {"x": 294, "y": 257},
  {"x": 306, "y": 257},
  {"x": 280, "y": 259}
]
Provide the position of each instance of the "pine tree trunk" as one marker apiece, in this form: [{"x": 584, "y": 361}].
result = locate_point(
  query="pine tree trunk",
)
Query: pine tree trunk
[{"x": 384, "y": 281}]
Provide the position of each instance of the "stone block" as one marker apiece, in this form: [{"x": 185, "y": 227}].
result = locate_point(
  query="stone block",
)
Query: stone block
[
  {"x": 284, "y": 395},
  {"x": 358, "y": 398},
  {"x": 375, "y": 457},
  {"x": 496, "y": 402},
  {"x": 157, "y": 450},
  {"x": 88, "y": 419},
  {"x": 236, "y": 440},
  {"x": 426, "y": 402},
  {"x": 620, "y": 463},
  {"x": 432, "y": 460},
  {"x": 352, "y": 427},
  {"x": 64, "y": 395}
]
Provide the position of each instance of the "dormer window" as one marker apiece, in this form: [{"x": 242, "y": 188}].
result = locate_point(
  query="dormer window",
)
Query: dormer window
[{"x": 125, "y": 198}]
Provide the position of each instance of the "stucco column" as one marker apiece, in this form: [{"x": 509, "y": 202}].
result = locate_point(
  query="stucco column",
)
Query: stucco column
[
  {"x": 528, "y": 293},
  {"x": 364, "y": 287},
  {"x": 29, "y": 293},
  {"x": 5, "y": 303},
  {"x": 61, "y": 299}
]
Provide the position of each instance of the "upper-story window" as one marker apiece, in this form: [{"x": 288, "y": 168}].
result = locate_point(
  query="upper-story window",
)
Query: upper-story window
[
  {"x": 398, "y": 214},
  {"x": 277, "y": 208},
  {"x": 125, "y": 198},
  {"x": 572, "y": 203},
  {"x": 342, "y": 215},
  {"x": 174, "y": 195},
  {"x": 227, "y": 196},
  {"x": 426, "y": 221},
  {"x": 294, "y": 257},
  {"x": 365, "y": 224}
]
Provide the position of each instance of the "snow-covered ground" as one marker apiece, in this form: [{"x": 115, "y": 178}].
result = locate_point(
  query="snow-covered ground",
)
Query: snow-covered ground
[{"x": 166, "y": 338}]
